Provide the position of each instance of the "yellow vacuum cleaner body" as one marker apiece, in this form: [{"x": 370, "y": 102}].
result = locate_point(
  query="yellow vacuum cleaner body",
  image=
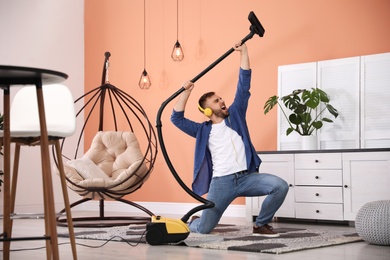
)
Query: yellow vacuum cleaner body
[{"x": 166, "y": 230}]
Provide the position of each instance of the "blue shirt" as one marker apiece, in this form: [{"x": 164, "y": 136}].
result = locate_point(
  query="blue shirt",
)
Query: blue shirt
[{"x": 203, "y": 169}]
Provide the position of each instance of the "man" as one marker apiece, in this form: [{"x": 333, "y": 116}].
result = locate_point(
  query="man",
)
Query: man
[{"x": 226, "y": 163}]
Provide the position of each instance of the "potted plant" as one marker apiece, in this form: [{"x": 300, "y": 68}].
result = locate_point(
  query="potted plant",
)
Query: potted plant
[{"x": 303, "y": 105}]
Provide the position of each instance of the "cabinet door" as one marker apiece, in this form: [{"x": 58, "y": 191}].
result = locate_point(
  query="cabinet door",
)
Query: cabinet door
[
  {"x": 281, "y": 165},
  {"x": 375, "y": 105},
  {"x": 340, "y": 79},
  {"x": 366, "y": 178},
  {"x": 292, "y": 77}
]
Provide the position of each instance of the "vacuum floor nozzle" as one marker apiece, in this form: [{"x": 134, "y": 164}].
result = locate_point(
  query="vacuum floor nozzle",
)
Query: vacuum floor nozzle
[{"x": 256, "y": 26}]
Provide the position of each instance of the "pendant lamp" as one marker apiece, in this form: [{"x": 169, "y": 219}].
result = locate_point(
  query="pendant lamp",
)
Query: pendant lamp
[
  {"x": 144, "y": 81},
  {"x": 177, "y": 52}
]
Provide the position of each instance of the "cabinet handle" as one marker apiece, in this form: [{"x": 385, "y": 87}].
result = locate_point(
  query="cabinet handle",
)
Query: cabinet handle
[
  {"x": 290, "y": 185},
  {"x": 317, "y": 177},
  {"x": 345, "y": 186},
  {"x": 316, "y": 161},
  {"x": 317, "y": 211},
  {"x": 317, "y": 194}
]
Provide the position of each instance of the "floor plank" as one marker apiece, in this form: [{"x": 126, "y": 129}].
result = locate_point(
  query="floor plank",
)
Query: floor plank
[{"x": 121, "y": 250}]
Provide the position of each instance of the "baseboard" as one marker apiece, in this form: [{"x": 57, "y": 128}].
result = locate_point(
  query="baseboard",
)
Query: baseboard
[{"x": 158, "y": 208}]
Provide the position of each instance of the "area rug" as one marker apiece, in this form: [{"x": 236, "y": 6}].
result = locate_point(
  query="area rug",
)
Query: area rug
[{"x": 232, "y": 237}]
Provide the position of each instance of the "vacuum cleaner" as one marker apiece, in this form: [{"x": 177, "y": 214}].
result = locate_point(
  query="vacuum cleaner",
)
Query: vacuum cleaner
[{"x": 166, "y": 230}]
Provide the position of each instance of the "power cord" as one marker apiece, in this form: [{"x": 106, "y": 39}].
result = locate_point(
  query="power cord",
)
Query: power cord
[{"x": 89, "y": 246}]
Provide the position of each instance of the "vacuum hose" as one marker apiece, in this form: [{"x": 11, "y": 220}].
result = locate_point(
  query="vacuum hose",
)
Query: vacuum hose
[{"x": 255, "y": 28}]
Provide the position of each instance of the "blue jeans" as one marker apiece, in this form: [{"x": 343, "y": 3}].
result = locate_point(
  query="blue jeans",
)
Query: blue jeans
[{"x": 223, "y": 190}]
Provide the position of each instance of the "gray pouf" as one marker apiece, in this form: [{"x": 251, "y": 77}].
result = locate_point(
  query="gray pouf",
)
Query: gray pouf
[{"x": 373, "y": 222}]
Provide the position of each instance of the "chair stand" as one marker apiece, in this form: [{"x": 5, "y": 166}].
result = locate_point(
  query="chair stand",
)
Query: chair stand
[
  {"x": 102, "y": 220},
  {"x": 48, "y": 206}
]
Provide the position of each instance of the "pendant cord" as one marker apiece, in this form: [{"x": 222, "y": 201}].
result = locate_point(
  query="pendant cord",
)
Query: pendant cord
[
  {"x": 177, "y": 20},
  {"x": 144, "y": 34}
]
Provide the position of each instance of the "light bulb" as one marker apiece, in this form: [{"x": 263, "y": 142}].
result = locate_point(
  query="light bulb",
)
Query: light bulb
[
  {"x": 177, "y": 52},
  {"x": 144, "y": 81}
]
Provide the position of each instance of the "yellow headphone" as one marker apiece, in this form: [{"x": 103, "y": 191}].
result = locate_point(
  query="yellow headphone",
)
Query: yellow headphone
[{"x": 207, "y": 111}]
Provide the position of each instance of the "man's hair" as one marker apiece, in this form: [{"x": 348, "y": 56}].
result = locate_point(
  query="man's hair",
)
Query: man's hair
[{"x": 204, "y": 97}]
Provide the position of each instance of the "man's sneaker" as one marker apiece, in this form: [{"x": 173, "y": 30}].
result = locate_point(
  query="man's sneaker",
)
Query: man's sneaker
[{"x": 264, "y": 231}]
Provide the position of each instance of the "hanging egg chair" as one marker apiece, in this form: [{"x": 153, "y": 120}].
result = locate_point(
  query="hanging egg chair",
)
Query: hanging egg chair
[{"x": 120, "y": 157}]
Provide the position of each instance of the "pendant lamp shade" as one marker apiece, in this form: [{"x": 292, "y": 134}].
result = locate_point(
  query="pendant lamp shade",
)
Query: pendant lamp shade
[
  {"x": 144, "y": 81},
  {"x": 177, "y": 52}
]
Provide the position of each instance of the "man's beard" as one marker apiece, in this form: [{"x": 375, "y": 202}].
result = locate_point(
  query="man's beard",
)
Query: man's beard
[{"x": 222, "y": 113}]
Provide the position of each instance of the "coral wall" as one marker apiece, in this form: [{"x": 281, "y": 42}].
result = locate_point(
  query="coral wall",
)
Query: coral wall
[{"x": 296, "y": 32}]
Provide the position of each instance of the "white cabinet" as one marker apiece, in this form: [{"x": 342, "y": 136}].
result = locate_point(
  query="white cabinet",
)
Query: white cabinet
[
  {"x": 375, "y": 96},
  {"x": 340, "y": 79},
  {"x": 292, "y": 77},
  {"x": 359, "y": 88},
  {"x": 327, "y": 185},
  {"x": 366, "y": 177}
]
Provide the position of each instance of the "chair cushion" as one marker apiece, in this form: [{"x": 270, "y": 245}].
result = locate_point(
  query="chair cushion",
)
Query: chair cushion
[
  {"x": 59, "y": 112},
  {"x": 88, "y": 169},
  {"x": 121, "y": 164}
]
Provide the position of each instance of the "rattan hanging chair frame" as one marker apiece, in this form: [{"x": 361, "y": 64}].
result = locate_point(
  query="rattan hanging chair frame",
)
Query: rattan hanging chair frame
[{"x": 131, "y": 110}]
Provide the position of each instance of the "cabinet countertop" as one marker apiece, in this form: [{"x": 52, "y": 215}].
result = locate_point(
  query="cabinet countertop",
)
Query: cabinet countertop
[{"x": 327, "y": 151}]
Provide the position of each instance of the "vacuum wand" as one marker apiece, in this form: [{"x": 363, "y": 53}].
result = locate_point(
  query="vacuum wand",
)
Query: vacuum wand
[{"x": 255, "y": 28}]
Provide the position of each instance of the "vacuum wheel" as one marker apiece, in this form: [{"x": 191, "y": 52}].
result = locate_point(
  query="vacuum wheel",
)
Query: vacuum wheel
[{"x": 154, "y": 236}]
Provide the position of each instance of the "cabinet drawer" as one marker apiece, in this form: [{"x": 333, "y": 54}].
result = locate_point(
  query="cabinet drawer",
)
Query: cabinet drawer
[
  {"x": 319, "y": 211},
  {"x": 319, "y": 194},
  {"x": 319, "y": 177},
  {"x": 318, "y": 161}
]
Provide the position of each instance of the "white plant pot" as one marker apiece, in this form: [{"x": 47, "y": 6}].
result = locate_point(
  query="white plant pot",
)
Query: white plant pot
[{"x": 309, "y": 142}]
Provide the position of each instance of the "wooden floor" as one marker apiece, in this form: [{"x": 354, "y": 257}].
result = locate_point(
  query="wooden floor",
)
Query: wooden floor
[{"x": 121, "y": 250}]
